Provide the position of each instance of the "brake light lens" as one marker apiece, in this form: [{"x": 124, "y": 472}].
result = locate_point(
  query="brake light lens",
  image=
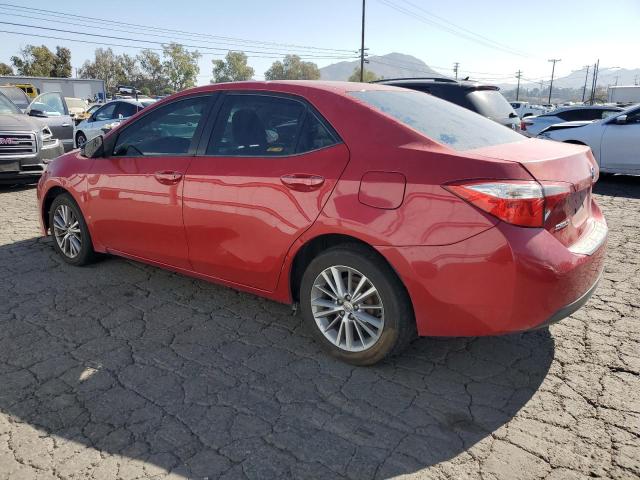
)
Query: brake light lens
[
  {"x": 519, "y": 202},
  {"x": 523, "y": 126}
]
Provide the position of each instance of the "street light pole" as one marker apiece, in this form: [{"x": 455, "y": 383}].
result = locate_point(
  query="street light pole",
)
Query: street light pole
[
  {"x": 518, "y": 75},
  {"x": 553, "y": 70},
  {"x": 362, "y": 45}
]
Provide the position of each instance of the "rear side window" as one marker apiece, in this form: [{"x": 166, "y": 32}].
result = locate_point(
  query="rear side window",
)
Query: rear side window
[
  {"x": 125, "y": 109},
  {"x": 439, "y": 120},
  {"x": 490, "y": 103},
  {"x": 264, "y": 125}
]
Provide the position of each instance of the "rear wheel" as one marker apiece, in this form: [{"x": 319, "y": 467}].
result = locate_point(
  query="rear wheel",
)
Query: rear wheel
[
  {"x": 357, "y": 307},
  {"x": 70, "y": 233}
]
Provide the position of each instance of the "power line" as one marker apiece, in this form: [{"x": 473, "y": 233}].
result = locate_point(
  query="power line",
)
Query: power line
[
  {"x": 424, "y": 19},
  {"x": 169, "y": 31},
  {"x": 137, "y": 47},
  {"x": 113, "y": 37}
]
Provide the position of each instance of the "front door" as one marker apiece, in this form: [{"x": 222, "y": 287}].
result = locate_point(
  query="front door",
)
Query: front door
[
  {"x": 57, "y": 115},
  {"x": 136, "y": 191},
  {"x": 620, "y": 146},
  {"x": 266, "y": 172}
]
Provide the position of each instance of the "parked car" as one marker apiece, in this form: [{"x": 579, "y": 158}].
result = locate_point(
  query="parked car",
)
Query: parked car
[
  {"x": 16, "y": 95},
  {"x": 26, "y": 145},
  {"x": 533, "y": 125},
  {"x": 525, "y": 109},
  {"x": 477, "y": 97},
  {"x": 105, "y": 117},
  {"x": 614, "y": 141},
  {"x": 382, "y": 211},
  {"x": 77, "y": 108},
  {"x": 53, "y": 110}
]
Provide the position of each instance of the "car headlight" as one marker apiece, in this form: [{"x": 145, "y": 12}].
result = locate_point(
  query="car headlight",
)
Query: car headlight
[{"x": 47, "y": 137}]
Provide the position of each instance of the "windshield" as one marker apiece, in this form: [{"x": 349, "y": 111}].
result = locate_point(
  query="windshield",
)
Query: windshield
[
  {"x": 17, "y": 96},
  {"x": 490, "y": 103},
  {"x": 76, "y": 103},
  {"x": 6, "y": 107},
  {"x": 439, "y": 120}
]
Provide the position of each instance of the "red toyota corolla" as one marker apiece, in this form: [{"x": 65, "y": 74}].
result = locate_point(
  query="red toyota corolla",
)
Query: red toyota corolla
[{"x": 383, "y": 212}]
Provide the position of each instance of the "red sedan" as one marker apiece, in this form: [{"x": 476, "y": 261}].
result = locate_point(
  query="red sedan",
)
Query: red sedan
[{"x": 383, "y": 212}]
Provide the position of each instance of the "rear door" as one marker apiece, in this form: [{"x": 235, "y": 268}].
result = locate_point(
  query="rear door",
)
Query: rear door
[
  {"x": 57, "y": 118},
  {"x": 620, "y": 145},
  {"x": 265, "y": 173}
]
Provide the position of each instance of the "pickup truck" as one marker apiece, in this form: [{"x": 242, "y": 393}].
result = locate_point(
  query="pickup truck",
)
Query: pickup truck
[{"x": 525, "y": 109}]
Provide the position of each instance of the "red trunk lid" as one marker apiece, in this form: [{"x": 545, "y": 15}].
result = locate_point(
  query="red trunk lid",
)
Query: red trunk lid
[{"x": 549, "y": 161}]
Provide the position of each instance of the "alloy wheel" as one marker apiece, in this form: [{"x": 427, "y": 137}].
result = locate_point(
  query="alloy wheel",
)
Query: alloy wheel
[
  {"x": 66, "y": 230},
  {"x": 347, "y": 308}
]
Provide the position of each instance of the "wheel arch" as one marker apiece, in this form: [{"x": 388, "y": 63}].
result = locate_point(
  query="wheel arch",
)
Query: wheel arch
[
  {"x": 47, "y": 201},
  {"x": 316, "y": 245}
]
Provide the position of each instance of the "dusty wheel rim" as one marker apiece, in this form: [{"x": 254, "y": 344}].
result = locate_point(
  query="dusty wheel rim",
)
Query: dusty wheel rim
[
  {"x": 81, "y": 140},
  {"x": 347, "y": 308},
  {"x": 66, "y": 230}
]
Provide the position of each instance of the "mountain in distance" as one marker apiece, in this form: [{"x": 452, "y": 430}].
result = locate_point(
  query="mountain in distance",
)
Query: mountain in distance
[
  {"x": 391, "y": 65},
  {"x": 619, "y": 76}
]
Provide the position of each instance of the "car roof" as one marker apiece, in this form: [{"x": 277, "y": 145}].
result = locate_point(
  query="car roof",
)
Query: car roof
[
  {"x": 441, "y": 81},
  {"x": 296, "y": 86},
  {"x": 583, "y": 107}
]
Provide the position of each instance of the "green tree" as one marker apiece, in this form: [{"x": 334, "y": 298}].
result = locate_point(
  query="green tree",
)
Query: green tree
[
  {"x": 105, "y": 66},
  {"x": 180, "y": 66},
  {"x": 233, "y": 68},
  {"x": 62, "y": 63},
  {"x": 369, "y": 76},
  {"x": 5, "y": 69},
  {"x": 128, "y": 71},
  {"x": 292, "y": 68},
  {"x": 39, "y": 61},
  {"x": 153, "y": 76}
]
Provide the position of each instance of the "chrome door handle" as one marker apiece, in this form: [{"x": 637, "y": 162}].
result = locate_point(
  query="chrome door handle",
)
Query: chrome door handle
[
  {"x": 66, "y": 124},
  {"x": 167, "y": 177},
  {"x": 302, "y": 182}
]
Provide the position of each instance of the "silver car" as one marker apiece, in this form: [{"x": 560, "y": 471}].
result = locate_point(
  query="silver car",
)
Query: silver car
[
  {"x": 533, "y": 125},
  {"x": 107, "y": 115}
]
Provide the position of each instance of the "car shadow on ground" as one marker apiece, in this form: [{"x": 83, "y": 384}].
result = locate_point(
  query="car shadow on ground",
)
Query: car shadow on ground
[
  {"x": 203, "y": 381},
  {"x": 625, "y": 186}
]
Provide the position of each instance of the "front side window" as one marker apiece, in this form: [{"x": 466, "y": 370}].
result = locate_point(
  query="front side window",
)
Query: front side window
[
  {"x": 168, "y": 130},
  {"x": 439, "y": 120},
  {"x": 49, "y": 103},
  {"x": 106, "y": 112},
  {"x": 126, "y": 110}
]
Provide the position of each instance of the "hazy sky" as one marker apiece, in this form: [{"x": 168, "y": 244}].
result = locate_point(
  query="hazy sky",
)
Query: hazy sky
[{"x": 522, "y": 35}]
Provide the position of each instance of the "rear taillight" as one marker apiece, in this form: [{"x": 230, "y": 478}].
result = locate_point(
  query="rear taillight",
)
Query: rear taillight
[
  {"x": 519, "y": 202},
  {"x": 523, "y": 126}
]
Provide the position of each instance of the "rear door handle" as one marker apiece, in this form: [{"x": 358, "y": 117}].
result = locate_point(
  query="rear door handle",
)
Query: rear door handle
[
  {"x": 302, "y": 182},
  {"x": 168, "y": 177}
]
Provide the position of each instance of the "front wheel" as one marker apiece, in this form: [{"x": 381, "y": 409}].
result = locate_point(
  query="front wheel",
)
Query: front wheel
[
  {"x": 70, "y": 233},
  {"x": 357, "y": 307},
  {"x": 81, "y": 139}
]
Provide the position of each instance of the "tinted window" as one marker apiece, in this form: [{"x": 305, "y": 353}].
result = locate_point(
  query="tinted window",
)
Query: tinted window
[
  {"x": 314, "y": 135},
  {"x": 17, "y": 96},
  {"x": 166, "y": 131},
  {"x": 106, "y": 113},
  {"x": 258, "y": 125},
  {"x": 126, "y": 110},
  {"x": 7, "y": 107},
  {"x": 439, "y": 120},
  {"x": 490, "y": 103}
]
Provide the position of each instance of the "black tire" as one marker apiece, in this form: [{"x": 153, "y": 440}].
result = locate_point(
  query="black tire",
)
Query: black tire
[
  {"x": 81, "y": 138},
  {"x": 85, "y": 253},
  {"x": 399, "y": 326}
]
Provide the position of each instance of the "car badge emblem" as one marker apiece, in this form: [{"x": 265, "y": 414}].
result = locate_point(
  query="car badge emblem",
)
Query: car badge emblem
[{"x": 8, "y": 141}]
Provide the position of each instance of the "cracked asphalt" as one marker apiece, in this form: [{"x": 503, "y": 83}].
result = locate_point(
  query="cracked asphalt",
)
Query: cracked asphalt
[{"x": 124, "y": 371}]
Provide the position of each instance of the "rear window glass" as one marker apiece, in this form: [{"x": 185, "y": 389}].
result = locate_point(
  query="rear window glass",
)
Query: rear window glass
[
  {"x": 491, "y": 104},
  {"x": 439, "y": 120}
]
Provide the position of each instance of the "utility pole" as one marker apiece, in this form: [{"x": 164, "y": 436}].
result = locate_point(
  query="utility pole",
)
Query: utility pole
[
  {"x": 362, "y": 45},
  {"x": 455, "y": 69},
  {"x": 584, "y": 89},
  {"x": 553, "y": 70},
  {"x": 594, "y": 85},
  {"x": 518, "y": 75}
]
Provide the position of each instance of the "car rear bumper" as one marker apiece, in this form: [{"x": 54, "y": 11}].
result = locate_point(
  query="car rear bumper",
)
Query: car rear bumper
[{"x": 505, "y": 279}]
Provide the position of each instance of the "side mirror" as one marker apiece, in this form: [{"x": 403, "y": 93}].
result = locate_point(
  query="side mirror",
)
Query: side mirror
[
  {"x": 621, "y": 119},
  {"x": 94, "y": 148},
  {"x": 37, "y": 113}
]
